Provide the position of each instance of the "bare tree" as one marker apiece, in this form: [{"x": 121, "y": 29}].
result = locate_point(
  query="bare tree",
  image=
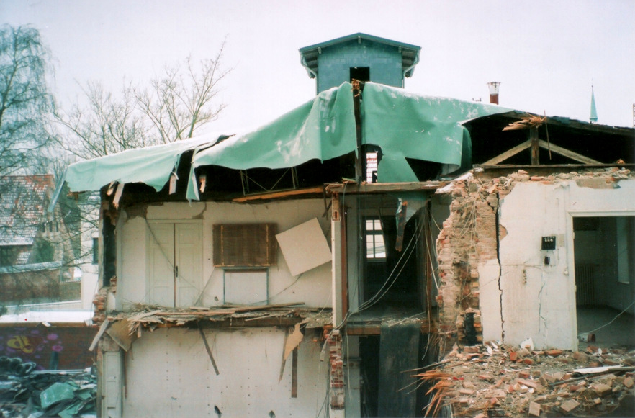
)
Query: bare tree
[
  {"x": 25, "y": 101},
  {"x": 104, "y": 125},
  {"x": 183, "y": 98},
  {"x": 170, "y": 109}
]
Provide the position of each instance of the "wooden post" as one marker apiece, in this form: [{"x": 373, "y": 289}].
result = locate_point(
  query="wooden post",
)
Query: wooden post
[
  {"x": 359, "y": 165},
  {"x": 294, "y": 373},
  {"x": 428, "y": 257},
  {"x": 535, "y": 145}
]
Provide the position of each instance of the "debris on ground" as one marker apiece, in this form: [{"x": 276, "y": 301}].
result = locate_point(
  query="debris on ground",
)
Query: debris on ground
[
  {"x": 26, "y": 392},
  {"x": 494, "y": 380}
]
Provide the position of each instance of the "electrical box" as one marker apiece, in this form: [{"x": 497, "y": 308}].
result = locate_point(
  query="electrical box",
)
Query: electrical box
[
  {"x": 548, "y": 249},
  {"x": 548, "y": 243}
]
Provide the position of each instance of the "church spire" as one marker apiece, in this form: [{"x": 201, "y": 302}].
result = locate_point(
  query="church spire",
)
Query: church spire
[{"x": 594, "y": 113}]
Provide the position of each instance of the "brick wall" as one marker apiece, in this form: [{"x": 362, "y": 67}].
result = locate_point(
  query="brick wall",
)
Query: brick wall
[
  {"x": 71, "y": 290},
  {"x": 336, "y": 375},
  {"x": 45, "y": 346},
  {"x": 30, "y": 286},
  {"x": 468, "y": 238}
]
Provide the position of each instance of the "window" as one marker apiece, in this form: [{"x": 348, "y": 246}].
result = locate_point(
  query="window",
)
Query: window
[
  {"x": 8, "y": 255},
  {"x": 244, "y": 245},
  {"x": 360, "y": 73},
  {"x": 371, "y": 167},
  {"x": 375, "y": 247},
  {"x": 95, "y": 250}
]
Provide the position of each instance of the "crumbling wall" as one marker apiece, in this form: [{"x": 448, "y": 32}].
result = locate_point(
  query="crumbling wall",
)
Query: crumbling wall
[
  {"x": 467, "y": 241},
  {"x": 490, "y": 259}
]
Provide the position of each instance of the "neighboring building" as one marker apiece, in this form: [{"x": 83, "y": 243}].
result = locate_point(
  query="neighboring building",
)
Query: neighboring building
[
  {"x": 35, "y": 244},
  {"x": 250, "y": 276},
  {"x": 44, "y": 319}
]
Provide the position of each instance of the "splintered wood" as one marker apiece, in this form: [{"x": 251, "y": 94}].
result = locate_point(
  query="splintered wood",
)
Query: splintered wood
[
  {"x": 279, "y": 314},
  {"x": 528, "y": 121}
]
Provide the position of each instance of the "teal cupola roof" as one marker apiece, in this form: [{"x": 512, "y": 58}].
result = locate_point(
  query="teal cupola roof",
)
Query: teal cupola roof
[{"x": 362, "y": 57}]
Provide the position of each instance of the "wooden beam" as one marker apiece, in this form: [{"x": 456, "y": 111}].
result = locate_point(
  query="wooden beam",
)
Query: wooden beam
[
  {"x": 208, "y": 349},
  {"x": 349, "y": 188},
  {"x": 294, "y": 373},
  {"x": 551, "y": 166},
  {"x": 569, "y": 154},
  {"x": 280, "y": 194},
  {"x": 99, "y": 334},
  {"x": 508, "y": 154},
  {"x": 359, "y": 158},
  {"x": 535, "y": 145},
  {"x": 375, "y": 328}
]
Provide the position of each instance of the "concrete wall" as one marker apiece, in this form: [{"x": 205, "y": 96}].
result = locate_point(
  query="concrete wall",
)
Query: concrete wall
[
  {"x": 538, "y": 300},
  {"x": 313, "y": 287},
  {"x": 169, "y": 374},
  {"x": 334, "y": 64},
  {"x": 491, "y": 264}
]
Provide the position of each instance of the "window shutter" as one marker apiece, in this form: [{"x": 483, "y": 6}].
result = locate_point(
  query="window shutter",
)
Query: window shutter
[{"x": 244, "y": 245}]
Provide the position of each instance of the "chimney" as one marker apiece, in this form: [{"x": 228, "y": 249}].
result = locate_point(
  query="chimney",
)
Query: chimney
[{"x": 493, "y": 91}]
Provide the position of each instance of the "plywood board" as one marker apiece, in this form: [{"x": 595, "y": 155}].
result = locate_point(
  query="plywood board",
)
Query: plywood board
[{"x": 304, "y": 247}]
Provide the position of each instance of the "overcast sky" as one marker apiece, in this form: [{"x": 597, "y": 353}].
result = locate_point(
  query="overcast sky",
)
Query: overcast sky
[{"x": 546, "y": 54}]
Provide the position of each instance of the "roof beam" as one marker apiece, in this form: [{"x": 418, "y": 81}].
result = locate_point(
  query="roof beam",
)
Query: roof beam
[
  {"x": 569, "y": 154},
  {"x": 543, "y": 144},
  {"x": 509, "y": 153}
]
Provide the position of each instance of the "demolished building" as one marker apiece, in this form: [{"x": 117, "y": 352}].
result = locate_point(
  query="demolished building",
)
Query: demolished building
[{"x": 309, "y": 266}]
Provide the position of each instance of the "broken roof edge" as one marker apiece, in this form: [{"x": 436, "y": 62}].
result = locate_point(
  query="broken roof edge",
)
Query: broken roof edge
[
  {"x": 319, "y": 129},
  {"x": 149, "y": 165},
  {"x": 562, "y": 121}
]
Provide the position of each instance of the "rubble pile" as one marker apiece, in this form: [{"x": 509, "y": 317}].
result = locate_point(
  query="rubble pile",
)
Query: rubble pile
[
  {"x": 502, "y": 381},
  {"x": 26, "y": 392}
]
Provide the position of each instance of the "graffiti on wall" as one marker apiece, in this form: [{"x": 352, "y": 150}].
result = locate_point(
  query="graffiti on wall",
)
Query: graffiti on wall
[{"x": 35, "y": 345}]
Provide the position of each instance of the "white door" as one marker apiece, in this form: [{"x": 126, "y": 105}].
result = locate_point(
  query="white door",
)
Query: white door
[
  {"x": 175, "y": 262},
  {"x": 189, "y": 263}
]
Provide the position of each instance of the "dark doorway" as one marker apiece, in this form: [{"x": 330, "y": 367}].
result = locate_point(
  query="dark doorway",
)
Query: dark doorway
[
  {"x": 391, "y": 276},
  {"x": 360, "y": 74}
]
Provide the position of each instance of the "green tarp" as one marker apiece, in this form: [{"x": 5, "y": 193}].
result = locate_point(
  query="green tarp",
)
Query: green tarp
[
  {"x": 418, "y": 127},
  {"x": 150, "y": 165},
  {"x": 400, "y": 123},
  {"x": 321, "y": 129}
]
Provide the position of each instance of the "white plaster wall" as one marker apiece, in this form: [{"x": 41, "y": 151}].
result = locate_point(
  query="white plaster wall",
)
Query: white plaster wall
[
  {"x": 312, "y": 288},
  {"x": 169, "y": 374},
  {"x": 538, "y": 301}
]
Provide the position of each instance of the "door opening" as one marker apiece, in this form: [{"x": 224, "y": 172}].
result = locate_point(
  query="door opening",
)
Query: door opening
[
  {"x": 391, "y": 277},
  {"x": 604, "y": 280}
]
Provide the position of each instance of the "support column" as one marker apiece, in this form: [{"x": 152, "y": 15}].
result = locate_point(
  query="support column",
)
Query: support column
[
  {"x": 336, "y": 362},
  {"x": 535, "y": 145},
  {"x": 336, "y": 250},
  {"x": 110, "y": 381}
]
